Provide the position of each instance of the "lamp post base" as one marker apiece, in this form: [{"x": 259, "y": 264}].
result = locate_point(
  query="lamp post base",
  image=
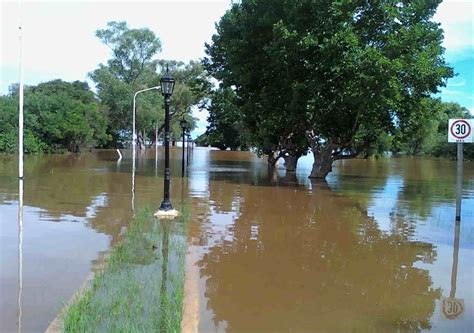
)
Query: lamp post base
[{"x": 166, "y": 214}]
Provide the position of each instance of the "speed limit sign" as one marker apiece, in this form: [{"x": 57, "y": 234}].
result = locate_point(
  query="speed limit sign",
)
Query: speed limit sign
[
  {"x": 452, "y": 308},
  {"x": 461, "y": 130}
]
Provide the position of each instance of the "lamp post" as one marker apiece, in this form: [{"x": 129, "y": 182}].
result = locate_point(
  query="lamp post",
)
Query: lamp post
[
  {"x": 167, "y": 86},
  {"x": 188, "y": 149},
  {"x": 134, "y": 132},
  {"x": 134, "y": 140},
  {"x": 183, "y": 125}
]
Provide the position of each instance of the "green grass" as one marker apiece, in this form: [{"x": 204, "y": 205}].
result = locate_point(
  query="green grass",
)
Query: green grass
[{"x": 141, "y": 288}]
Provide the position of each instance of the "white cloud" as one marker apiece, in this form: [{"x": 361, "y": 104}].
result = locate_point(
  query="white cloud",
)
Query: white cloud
[
  {"x": 457, "y": 84},
  {"x": 457, "y": 20},
  {"x": 451, "y": 92},
  {"x": 59, "y": 37},
  {"x": 201, "y": 123},
  {"x": 455, "y": 11}
]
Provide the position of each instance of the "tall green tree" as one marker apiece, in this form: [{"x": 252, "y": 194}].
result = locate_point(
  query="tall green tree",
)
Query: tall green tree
[
  {"x": 426, "y": 132},
  {"x": 226, "y": 128},
  {"x": 132, "y": 67},
  {"x": 418, "y": 134},
  {"x": 190, "y": 93},
  {"x": 441, "y": 147},
  {"x": 339, "y": 73}
]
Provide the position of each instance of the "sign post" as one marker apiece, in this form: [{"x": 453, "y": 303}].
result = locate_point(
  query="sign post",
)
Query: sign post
[
  {"x": 460, "y": 131},
  {"x": 452, "y": 307}
]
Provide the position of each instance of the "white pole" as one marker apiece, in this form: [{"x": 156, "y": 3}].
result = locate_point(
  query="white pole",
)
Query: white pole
[
  {"x": 133, "y": 185},
  {"x": 20, "y": 102},
  {"x": 20, "y": 250},
  {"x": 134, "y": 132},
  {"x": 156, "y": 149}
]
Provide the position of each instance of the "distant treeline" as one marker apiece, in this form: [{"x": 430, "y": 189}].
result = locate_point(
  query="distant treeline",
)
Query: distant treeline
[
  {"x": 57, "y": 116},
  {"x": 421, "y": 137}
]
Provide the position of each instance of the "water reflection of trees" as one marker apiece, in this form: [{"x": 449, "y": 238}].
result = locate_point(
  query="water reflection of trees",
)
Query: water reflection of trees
[
  {"x": 427, "y": 183},
  {"x": 89, "y": 186},
  {"x": 306, "y": 262},
  {"x": 424, "y": 183},
  {"x": 359, "y": 179}
]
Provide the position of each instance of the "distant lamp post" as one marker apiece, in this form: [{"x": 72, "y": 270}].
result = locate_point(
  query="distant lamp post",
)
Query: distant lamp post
[
  {"x": 188, "y": 136},
  {"x": 184, "y": 126},
  {"x": 134, "y": 139},
  {"x": 134, "y": 131},
  {"x": 167, "y": 86}
]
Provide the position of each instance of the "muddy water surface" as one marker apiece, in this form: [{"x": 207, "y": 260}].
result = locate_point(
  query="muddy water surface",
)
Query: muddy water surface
[{"x": 371, "y": 250}]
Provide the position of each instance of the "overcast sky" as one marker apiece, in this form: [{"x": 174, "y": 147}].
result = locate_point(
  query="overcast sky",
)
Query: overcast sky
[{"x": 59, "y": 38}]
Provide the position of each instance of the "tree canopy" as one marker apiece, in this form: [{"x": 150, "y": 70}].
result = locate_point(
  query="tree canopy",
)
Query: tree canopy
[
  {"x": 329, "y": 76},
  {"x": 226, "y": 128},
  {"x": 134, "y": 66},
  {"x": 58, "y": 115}
]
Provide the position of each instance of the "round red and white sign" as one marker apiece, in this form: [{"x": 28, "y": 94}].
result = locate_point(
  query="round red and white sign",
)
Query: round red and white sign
[
  {"x": 460, "y": 130},
  {"x": 452, "y": 308}
]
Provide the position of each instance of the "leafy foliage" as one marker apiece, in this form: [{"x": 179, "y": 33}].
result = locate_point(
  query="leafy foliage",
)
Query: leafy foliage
[
  {"x": 340, "y": 73},
  {"x": 441, "y": 147},
  {"x": 226, "y": 128},
  {"x": 133, "y": 67},
  {"x": 58, "y": 115}
]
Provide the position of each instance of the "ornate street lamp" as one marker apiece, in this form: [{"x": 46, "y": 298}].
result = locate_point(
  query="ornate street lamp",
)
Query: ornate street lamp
[
  {"x": 184, "y": 126},
  {"x": 167, "y": 86}
]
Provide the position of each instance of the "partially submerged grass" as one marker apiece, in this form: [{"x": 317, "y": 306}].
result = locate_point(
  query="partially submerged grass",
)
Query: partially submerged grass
[{"x": 141, "y": 289}]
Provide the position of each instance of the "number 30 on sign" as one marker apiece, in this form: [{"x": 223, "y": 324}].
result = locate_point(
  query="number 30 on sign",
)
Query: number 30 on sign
[{"x": 461, "y": 130}]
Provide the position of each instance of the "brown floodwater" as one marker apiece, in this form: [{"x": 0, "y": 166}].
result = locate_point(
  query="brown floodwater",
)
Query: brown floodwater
[{"x": 373, "y": 249}]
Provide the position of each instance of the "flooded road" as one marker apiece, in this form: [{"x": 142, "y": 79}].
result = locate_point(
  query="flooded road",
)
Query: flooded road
[{"x": 371, "y": 250}]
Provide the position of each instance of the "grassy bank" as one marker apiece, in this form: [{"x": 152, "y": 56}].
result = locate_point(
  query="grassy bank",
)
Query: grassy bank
[{"x": 141, "y": 287}]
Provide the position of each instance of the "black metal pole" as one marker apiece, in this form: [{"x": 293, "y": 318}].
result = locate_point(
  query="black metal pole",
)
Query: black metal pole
[
  {"x": 166, "y": 204},
  {"x": 182, "y": 159},
  {"x": 164, "y": 273},
  {"x": 189, "y": 150}
]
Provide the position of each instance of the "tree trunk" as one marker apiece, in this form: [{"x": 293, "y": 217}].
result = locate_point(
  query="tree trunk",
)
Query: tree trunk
[
  {"x": 272, "y": 158},
  {"x": 73, "y": 148},
  {"x": 141, "y": 141},
  {"x": 322, "y": 164},
  {"x": 290, "y": 178},
  {"x": 290, "y": 162}
]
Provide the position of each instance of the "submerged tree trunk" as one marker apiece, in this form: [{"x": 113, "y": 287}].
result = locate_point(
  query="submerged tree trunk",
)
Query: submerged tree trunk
[
  {"x": 322, "y": 164},
  {"x": 325, "y": 152},
  {"x": 73, "y": 148},
  {"x": 290, "y": 178},
  {"x": 323, "y": 156},
  {"x": 273, "y": 158},
  {"x": 141, "y": 141},
  {"x": 290, "y": 162}
]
